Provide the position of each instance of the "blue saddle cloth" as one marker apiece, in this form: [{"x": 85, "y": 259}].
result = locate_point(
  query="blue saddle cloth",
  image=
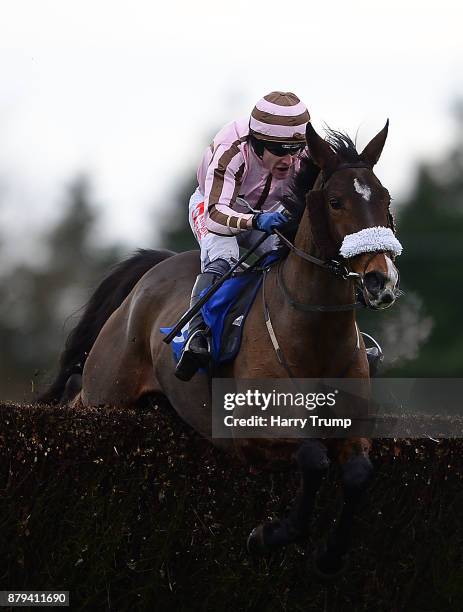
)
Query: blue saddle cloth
[{"x": 225, "y": 313}]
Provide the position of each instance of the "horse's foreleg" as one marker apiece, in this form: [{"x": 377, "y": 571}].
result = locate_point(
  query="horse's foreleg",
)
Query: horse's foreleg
[
  {"x": 72, "y": 388},
  {"x": 357, "y": 473},
  {"x": 313, "y": 462}
]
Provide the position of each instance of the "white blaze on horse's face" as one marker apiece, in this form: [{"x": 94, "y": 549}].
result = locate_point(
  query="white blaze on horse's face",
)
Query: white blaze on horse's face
[
  {"x": 371, "y": 249},
  {"x": 362, "y": 189},
  {"x": 387, "y": 293}
]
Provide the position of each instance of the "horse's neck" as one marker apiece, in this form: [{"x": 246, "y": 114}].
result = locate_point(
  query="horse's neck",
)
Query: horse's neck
[{"x": 308, "y": 283}]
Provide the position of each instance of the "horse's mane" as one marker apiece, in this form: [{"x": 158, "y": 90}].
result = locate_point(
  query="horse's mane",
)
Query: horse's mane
[
  {"x": 304, "y": 180},
  {"x": 342, "y": 145}
]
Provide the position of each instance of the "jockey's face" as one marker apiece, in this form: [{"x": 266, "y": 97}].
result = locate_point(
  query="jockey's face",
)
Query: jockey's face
[{"x": 278, "y": 166}]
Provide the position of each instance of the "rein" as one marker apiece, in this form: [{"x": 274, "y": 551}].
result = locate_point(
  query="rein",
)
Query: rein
[
  {"x": 334, "y": 266},
  {"x": 274, "y": 340},
  {"x": 313, "y": 307}
]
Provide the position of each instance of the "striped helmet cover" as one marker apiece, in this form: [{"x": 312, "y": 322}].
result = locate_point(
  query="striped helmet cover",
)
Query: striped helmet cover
[{"x": 279, "y": 117}]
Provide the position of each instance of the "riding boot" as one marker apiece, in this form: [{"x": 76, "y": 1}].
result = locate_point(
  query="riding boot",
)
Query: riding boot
[{"x": 196, "y": 353}]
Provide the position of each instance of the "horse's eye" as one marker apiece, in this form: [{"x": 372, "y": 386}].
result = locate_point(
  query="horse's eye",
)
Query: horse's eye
[{"x": 335, "y": 203}]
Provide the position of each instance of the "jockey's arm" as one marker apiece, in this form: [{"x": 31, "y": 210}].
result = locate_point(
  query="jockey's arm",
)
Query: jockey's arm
[{"x": 222, "y": 184}]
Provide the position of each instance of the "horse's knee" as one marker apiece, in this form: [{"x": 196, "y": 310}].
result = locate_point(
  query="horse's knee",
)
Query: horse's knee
[
  {"x": 357, "y": 472},
  {"x": 312, "y": 456}
]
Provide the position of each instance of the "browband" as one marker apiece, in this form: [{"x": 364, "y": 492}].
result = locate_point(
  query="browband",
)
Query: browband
[{"x": 345, "y": 166}]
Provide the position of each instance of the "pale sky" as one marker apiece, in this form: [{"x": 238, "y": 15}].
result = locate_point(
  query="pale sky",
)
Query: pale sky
[{"x": 130, "y": 91}]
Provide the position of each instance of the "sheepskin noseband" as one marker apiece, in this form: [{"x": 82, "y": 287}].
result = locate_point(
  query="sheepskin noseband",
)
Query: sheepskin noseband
[{"x": 369, "y": 240}]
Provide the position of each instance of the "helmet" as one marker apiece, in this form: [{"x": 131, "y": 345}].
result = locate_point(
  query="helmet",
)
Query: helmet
[{"x": 279, "y": 117}]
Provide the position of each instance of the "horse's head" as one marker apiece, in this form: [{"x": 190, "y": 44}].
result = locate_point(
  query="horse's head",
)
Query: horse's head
[{"x": 350, "y": 214}]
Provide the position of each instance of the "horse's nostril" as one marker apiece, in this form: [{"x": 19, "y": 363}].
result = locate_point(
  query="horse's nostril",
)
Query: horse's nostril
[
  {"x": 374, "y": 282},
  {"x": 387, "y": 298}
]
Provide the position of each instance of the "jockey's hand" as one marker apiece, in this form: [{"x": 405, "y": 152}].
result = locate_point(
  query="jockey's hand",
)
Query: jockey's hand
[{"x": 267, "y": 222}]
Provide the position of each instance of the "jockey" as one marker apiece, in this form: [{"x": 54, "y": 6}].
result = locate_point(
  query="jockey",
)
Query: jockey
[{"x": 241, "y": 179}]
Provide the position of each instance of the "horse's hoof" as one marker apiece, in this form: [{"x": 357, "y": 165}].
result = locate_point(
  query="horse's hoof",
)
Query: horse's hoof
[
  {"x": 72, "y": 388},
  {"x": 328, "y": 565},
  {"x": 269, "y": 537},
  {"x": 255, "y": 543}
]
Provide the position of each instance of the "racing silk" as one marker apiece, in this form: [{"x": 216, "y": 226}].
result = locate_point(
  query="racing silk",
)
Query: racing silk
[{"x": 229, "y": 170}]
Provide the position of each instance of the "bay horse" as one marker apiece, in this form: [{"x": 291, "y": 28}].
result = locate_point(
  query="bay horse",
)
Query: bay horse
[{"x": 118, "y": 346}]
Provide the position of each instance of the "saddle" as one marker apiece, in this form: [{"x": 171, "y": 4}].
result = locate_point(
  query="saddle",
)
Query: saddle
[{"x": 226, "y": 310}]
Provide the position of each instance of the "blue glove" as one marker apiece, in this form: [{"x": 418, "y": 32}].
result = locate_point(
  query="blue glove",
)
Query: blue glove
[{"x": 267, "y": 222}]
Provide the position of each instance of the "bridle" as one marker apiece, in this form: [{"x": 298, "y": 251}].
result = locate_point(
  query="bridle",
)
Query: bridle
[{"x": 334, "y": 266}]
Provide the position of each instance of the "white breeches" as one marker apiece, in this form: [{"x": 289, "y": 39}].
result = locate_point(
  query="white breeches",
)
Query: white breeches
[{"x": 222, "y": 247}]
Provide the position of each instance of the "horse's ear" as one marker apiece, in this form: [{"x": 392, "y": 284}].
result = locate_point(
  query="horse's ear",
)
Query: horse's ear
[
  {"x": 372, "y": 152},
  {"x": 320, "y": 151},
  {"x": 319, "y": 224},
  {"x": 391, "y": 221}
]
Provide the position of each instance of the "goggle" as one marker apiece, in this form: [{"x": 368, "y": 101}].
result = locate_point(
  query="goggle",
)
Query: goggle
[{"x": 280, "y": 149}]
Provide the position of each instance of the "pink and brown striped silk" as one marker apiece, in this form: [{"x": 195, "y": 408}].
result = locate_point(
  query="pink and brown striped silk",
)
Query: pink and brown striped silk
[{"x": 230, "y": 168}]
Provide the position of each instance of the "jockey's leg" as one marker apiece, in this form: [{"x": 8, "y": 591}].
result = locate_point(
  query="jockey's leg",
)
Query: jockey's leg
[
  {"x": 216, "y": 254},
  {"x": 196, "y": 353}
]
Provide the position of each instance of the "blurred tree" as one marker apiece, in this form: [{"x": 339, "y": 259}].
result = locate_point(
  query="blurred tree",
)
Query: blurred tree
[
  {"x": 174, "y": 227},
  {"x": 176, "y": 233},
  {"x": 430, "y": 227},
  {"x": 39, "y": 299}
]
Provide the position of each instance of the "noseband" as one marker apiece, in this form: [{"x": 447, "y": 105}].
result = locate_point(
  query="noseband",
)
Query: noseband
[{"x": 334, "y": 266}]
